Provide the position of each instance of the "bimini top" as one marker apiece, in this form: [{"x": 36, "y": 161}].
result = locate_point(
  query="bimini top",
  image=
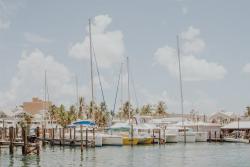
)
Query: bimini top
[
  {"x": 82, "y": 123},
  {"x": 120, "y": 126}
]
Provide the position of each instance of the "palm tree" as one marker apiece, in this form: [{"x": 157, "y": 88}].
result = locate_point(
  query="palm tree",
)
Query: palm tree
[
  {"x": 72, "y": 113},
  {"x": 146, "y": 110},
  {"x": 53, "y": 112},
  {"x": 82, "y": 107},
  {"x": 126, "y": 110},
  {"x": 161, "y": 109}
]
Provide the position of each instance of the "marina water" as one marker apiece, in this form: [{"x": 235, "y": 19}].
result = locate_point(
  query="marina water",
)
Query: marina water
[{"x": 177, "y": 155}]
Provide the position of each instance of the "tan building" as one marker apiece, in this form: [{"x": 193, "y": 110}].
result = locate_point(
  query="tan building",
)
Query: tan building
[{"x": 36, "y": 105}]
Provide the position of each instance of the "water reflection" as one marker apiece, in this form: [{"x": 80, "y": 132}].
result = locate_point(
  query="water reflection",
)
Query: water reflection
[{"x": 188, "y": 155}]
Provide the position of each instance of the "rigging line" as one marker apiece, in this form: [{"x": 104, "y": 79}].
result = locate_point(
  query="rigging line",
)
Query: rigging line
[
  {"x": 98, "y": 73},
  {"x": 117, "y": 88},
  {"x": 133, "y": 85}
]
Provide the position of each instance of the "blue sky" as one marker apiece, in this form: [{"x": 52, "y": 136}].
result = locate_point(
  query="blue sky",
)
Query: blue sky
[{"x": 52, "y": 35}]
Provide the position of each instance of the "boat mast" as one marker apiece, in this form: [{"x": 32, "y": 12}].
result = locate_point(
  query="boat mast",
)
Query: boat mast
[
  {"x": 180, "y": 79},
  {"x": 45, "y": 98},
  {"x": 77, "y": 95},
  {"x": 181, "y": 91},
  {"x": 91, "y": 65},
  {"x": 128, "y": 90}
]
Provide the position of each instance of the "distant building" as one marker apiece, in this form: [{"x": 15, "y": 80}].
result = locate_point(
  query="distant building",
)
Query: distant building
[
  {"x": 222, "y": 117},
  {"x": 36, "y": 105}
]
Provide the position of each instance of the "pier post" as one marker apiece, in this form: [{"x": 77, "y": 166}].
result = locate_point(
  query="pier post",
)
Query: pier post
[
  {"x": 11, "y": 136},
  {"x": 24, "y": 136},
  {"x": 5, "y": 133},
  {"x": 60, "y": 136},
  {"x": 93, "y": 137},
  {"x": 153, "y": 136},
  {"x": 44, "y": 135},
  {"x": 86, "y": 142},
  {"x": 70, "y": 135},
  {"x": 185, "y": 137},
  {"x": 16, "y": 131},
  {"x": 37, "y": 132},
  {"x": 209, "y": 136},
  {"x": 53, "y": 136},
  {"x": 63, "y": 130},
  {"x": 215, "y": 135},
  {"x": 74, "y": 133},
  {"x": 159, "y": 140},
  {"x": 81, "y": 139}
]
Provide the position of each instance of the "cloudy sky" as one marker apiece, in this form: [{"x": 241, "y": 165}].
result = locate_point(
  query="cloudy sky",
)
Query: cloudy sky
[{"x": 53, "y": 35}]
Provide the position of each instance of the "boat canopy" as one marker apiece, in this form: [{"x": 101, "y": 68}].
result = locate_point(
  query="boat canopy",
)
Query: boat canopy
[
  {"x": 82, "y": 123},
  {"x": 120, "y": 127}
]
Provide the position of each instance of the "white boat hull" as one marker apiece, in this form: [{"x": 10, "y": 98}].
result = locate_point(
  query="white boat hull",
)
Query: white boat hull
[
  {"x": 234, "y": 140},
  {"x": 171, "y": 138},
  {"x": 200, "y": 136},
  {"x": 189, "y": 136},
  {"x": 112, "y": 140}
]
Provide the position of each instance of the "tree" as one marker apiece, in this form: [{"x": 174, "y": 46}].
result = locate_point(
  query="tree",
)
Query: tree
[
  {"x": 72, "y": 113},
  {"x": 161, "y": 109},
  {"x": 82, "y": 108},
  {"x": 248, "y": 111},
  {"x": 126, "y": 110},
  {"x": 146, "y": 110}
]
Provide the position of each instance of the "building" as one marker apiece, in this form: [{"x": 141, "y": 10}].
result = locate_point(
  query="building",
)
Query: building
[
  {"x": 222, "y": 117},
  {"x": 36, "y": 105}
]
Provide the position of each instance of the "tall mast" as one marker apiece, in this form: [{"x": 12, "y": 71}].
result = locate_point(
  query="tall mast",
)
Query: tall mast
[
  {"x": 128, "y": 90},
  {"x": 91, "y": 67},
  {"x": 180, "y": 78},
  {"x": 45, "y": 97},
  {"x": 77, "y": 96},
  {"x": 122, "y": 86}
]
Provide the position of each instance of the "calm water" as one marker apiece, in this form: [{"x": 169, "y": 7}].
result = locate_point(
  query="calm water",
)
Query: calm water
[{"x": 174, "y": 155}]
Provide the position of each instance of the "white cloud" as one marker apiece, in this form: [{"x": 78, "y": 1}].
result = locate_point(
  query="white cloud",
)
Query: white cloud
[
  {"x": 35, "y": 38},
  {"x": 184, "y": 10},
  {"x": 246, "y": 68},
  {"x": 4, "y": 21},
  {"x": 199, "y": 102},
  {"x": 108, "y": 45},
  {"x": 193, "y": 68},
  {"x": 29, "y": 80},
  {"x": 4, "y": 24},
  {"x": 192, "y": 42}
]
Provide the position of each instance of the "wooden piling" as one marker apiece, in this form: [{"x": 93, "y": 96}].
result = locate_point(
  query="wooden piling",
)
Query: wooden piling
[
  {"x": 185, "y": 137},
  {"x": 209, "y": 136},
  {"x": 60, "y": 136},
  {"x": 81, "y": 139},
  {"x": 11, "y": 137},
  {"x": 16, "y": 131},
  {"x": 86, "y": 142},
  {"x": 93, "y": 136},
  {"x": 24, "y": 136},
  {"x": 44, "y": 135},
  {"x": 215, "y": 135},
  {"x": 159, "y": 138},
  {"x": 74, "y": 133},
  {"x": 70, "y": 135},
  {"x": 63, "y": 136}
]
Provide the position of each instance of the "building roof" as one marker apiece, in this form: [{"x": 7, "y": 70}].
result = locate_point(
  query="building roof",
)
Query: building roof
[
  {"x": 222, "y": 114},
  {"x": 237, "y": 125}
]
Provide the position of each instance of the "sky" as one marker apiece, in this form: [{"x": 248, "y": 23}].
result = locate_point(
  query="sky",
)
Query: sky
[{"x": 53, "y": 36}]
